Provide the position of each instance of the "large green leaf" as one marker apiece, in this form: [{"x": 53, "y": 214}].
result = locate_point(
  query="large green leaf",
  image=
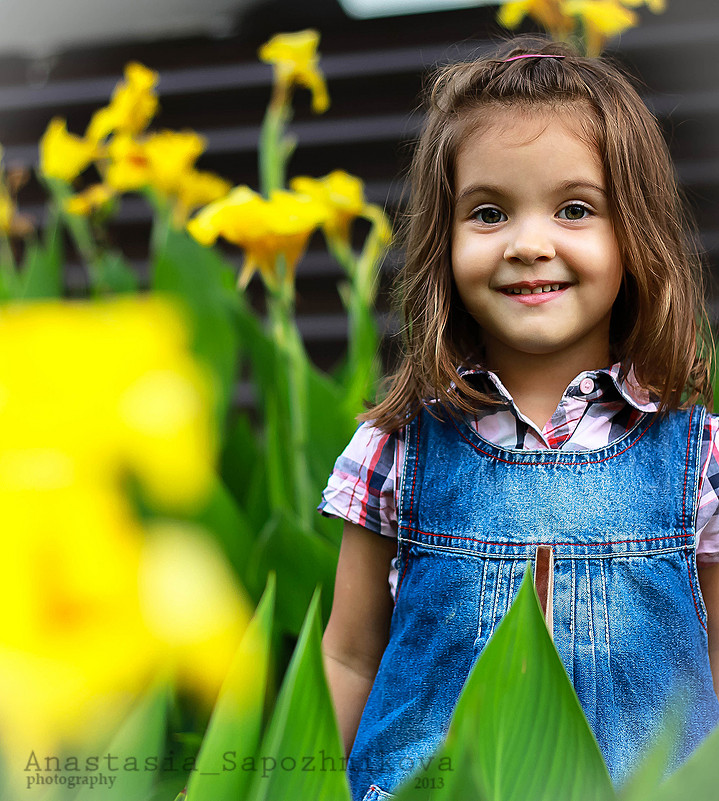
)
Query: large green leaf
[
  {"x": 227, "y": 521},
  {"x": 697, "y": 779},
  {"x": 644, "y": 780},
  {"x": 140, "y": 737},
  {"x": 112, "y": 274},
  {"x": 203, "y": 282},
  {"x": 301, "y": 756},
  {"x": 234, "y": 730},
  {"x": 301, "y": 559},
  {"x": 518, "y": 732},
  {"x": 41, "y": 275}
]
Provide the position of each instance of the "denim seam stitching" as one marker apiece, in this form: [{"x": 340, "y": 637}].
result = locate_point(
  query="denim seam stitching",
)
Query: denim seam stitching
[
  {"x": 525, "y": 544},
  {"x": 558, "y": 462},
  {"x": 524, "y": 557},
  {"x": 694, "y": 598}
]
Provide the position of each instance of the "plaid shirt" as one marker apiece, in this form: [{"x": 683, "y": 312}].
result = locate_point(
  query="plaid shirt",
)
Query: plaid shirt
[{"x": 596, "y": 409}]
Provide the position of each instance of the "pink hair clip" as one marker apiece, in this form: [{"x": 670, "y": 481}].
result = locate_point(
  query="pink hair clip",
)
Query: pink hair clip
[{"x": 532, "y": 55}]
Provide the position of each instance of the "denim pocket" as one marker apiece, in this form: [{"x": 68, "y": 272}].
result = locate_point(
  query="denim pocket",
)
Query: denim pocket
[{"x": 376, "y": 794}]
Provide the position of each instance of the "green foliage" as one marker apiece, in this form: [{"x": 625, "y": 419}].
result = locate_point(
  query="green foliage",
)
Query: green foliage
[
  {"x": 236, "y": 722},
  {"x": 518, "y": 731}
]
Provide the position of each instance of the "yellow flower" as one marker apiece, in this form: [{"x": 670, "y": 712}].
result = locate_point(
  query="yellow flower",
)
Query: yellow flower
[
  {"x": 89, "y": 200},
  {"x": 165, "y": 162},
  {"x": 170, "y": 155},
  {"x": 340, "y": 193},
  {"x": 64, "y": 155},
  {"x": 548, "y": 13},
  {"x": 197, "y": 189},
  {"x": 265, "y": 229},
  {"x": 296, "y": 62},
  {"x": 96, "y": 607},
  {"x": 602, "y": 19},
  {"x": 656, "y": 6},
  {"x": 132, "y": 106}
]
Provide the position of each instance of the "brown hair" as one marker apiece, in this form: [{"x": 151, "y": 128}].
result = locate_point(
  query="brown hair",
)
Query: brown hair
[{"x": 659, "y": 324}]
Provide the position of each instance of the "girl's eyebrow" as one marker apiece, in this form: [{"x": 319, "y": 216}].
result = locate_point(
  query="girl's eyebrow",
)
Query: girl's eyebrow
[{"x": 565, "y": 186}]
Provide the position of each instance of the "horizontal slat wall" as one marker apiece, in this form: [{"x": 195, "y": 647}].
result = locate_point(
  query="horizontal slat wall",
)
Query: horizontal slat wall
[{"x": 374, "y": 71}]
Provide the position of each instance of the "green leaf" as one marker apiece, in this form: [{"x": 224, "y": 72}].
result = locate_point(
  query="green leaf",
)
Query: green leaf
[
  {"x": 301, "y": 559},
  {"x": 518, "y": 732},
  {"x": 226, "y": 520},
  {"x": 111, "y": 273},
  {"x": 142, "y": 735},
  {"x": 204, "y": 284},
  {"x": 696, "y": 779},
  {"x": 234, "y": 730},
  {"x": 301, "y": 756},
  {"x": 647, "y": 776},
  {"x": 41, "y": 274}
]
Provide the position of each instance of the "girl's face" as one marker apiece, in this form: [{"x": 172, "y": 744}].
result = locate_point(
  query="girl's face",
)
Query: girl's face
[{"x": 534, "y": 255}]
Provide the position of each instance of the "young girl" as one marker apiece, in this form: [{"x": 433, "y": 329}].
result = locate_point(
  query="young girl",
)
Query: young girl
[{"x": 555, "y": 346}]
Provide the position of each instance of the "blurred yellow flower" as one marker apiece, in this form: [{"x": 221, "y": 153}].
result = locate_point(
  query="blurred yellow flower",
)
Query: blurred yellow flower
[
  {"x": 340, "y": 193},
  {"x": 602, "y": 19},
  {"x": 128, "y": 169},
  {"x": 548, "y": 13},
  {"x": 95, "y": 606},
  {"x": 64, "y": 155},
  {"x": 89, "y": 200},
  {"x": 296, "y": 62},
  {"x": 132, "y": 106},
  {"x": 170, "y": 154},
  {"x": 165, "y": 162},
  {"x": 265, "y": 229},
  {"x": 656, "y": 6},
  {"x": 195, "y": 189}
]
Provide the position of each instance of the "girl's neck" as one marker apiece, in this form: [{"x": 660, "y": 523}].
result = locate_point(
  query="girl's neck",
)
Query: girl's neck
[{"x": 537, "y": 382}]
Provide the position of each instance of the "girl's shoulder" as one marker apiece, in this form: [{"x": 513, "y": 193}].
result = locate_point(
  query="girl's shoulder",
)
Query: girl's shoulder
[{"x": 371, "y": 441}]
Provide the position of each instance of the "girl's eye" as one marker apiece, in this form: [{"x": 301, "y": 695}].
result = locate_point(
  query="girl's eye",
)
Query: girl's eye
[
  {"x": 575, "y": 211},
  {"x": 489, "y": 215}
]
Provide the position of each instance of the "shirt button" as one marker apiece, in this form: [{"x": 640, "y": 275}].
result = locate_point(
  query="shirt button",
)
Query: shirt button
[{"x": 586, "y": 385}]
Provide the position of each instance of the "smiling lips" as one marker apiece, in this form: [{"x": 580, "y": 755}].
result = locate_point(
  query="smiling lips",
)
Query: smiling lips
[{"x": 533, "y": 292}]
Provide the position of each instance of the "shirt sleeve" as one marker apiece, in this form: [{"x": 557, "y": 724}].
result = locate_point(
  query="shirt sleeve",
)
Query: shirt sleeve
[
  {"x": 708, "y": 501},
  {"x": 362, "y": 485}
]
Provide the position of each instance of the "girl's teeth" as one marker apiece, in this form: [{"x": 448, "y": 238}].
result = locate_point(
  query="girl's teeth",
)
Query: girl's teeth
[{"x": 536, "y": 291}]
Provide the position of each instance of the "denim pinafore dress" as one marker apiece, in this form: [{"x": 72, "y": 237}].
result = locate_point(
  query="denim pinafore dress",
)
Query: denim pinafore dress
[{"x": 629, "y": 619}]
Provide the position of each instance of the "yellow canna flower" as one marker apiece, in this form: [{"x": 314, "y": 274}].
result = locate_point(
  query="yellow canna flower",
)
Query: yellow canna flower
[
  {"x": 132, "y": 106},
  {"x": 602, "y": 19},
  {"x": 89, "y": 200},
  {"x": 547, "y": 13},
  {"x": 379, "y": 219},
  {"x": 128, "y": 169},
  {"x": 165, "y": 162},
  {"x": 64, "y": 155},
  {"x": 197, "y": 189},
  {"x": 656, "y": 6},
  {"x": 265, "y": 229},
  {"x": 340, "y": 193},
  {"x": 296, "y": 62},
  {"x": 171, "y": 154},
  {"x": 96, "y": 607}
]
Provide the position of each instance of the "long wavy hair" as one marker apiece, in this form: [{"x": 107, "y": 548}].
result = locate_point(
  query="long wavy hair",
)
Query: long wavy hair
[{"x": 659, "y": 323}]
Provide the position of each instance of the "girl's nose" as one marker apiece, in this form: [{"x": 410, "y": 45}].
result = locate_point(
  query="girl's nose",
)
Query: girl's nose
[{"x": 528, "y": 242}]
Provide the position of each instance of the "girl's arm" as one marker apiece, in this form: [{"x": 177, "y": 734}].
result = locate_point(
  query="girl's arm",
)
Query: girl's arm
[
  {"x": 709, "y": 583},
  {"x": 358, "y": 629}
]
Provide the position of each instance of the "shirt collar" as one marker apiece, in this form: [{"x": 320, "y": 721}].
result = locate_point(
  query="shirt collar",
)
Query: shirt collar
[{"x": 607, "y": 382}]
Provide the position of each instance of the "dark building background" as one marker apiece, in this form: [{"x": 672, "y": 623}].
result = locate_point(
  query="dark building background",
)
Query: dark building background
[{"x": 374, "y": 70}]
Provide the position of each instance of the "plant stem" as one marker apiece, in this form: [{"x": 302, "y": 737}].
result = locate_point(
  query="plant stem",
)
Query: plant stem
[
  {"x": 292, "y": 353},
  {"x": 273, "y": 154}
]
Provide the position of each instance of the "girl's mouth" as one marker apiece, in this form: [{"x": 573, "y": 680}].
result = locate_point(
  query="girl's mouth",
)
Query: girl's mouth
[{"x": 532, "y": 295}]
